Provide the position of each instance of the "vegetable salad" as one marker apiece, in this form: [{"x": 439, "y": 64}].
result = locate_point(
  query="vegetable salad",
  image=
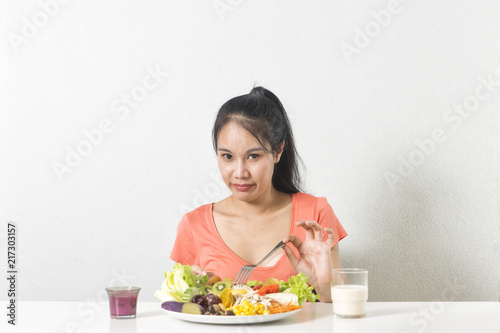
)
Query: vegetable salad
[{"x": 186, "y": 292}]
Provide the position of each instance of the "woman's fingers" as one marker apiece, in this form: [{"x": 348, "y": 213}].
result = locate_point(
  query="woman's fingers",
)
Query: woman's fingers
[
  {"x": 294, "y": 240},
  {"x": 297, "y": 243},
  {"x": 312, "y": 229},
  {"x": 318, "y": 233},
  {"x": 309, "y": 232},
  {"x": 294, "y": 261},
  {"x": 331, "y": 237},
  {"x": 198, "y": 270}
]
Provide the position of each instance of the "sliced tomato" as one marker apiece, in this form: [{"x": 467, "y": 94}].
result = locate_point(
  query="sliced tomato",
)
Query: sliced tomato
[
  {"x": 257, "y": 287},
  {"x": 269, "y": 289}
]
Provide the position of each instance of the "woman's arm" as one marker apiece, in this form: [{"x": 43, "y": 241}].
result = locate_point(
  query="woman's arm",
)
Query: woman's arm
[
  {"x": 325, "y": 290},
  {"x": 334, "y": 253}
]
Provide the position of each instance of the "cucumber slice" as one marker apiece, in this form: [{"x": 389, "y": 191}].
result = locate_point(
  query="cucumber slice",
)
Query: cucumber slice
[{"x": 189, "y": 293}]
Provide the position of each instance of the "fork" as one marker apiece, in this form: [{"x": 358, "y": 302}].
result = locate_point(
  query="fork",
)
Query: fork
[{"x": 246, "y": 270}]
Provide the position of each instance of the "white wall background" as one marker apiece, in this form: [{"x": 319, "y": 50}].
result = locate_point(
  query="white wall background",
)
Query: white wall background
[{"x": 432, "y": 234}]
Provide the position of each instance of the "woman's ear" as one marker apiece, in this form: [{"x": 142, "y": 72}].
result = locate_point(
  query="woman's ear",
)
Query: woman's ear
[{"x": 279, "y": 152}]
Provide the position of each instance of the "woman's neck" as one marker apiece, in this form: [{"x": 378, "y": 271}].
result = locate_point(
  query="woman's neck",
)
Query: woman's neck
[{"x": 267, "y": 202}]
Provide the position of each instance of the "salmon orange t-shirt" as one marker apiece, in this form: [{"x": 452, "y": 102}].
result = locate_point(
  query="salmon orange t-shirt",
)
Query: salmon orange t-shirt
[{"x": 198, "y": 242}]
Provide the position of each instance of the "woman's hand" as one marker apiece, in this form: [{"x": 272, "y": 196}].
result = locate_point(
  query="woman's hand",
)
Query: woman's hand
[
  {"x": 197, "y": 270},
  {"x": 315, "y": 258}
]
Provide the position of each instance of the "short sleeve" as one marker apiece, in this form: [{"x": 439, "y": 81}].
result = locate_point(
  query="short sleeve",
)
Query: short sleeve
[
  {"x": 184, "y": 246},
  {"x": 328, "y": 219}
]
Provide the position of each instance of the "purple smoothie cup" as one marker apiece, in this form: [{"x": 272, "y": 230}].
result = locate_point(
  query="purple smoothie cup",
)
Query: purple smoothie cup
[{"x": 123, "y": 302}]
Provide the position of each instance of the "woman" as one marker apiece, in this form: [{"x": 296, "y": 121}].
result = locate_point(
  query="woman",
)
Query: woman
[{"x": 258, "y": 163}]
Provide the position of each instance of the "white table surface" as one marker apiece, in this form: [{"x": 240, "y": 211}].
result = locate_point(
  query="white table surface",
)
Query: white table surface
[{"x": 384, "y": 317}]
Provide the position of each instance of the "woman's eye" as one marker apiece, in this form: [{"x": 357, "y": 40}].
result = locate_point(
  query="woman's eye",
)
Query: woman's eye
[
  {"x": 253, "y": 156},
  {"x": 226, "y": 156}
]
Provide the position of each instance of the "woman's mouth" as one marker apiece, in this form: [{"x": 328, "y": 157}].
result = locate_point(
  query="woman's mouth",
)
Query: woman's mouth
[{"x": 242, "y": 187}]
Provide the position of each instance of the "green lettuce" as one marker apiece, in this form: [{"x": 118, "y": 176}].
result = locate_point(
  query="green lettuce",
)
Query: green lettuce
[
  {"x": 178, "y": 280},
  {"x": 297, "y": 285},
  {"x": 254, "y": 283}
]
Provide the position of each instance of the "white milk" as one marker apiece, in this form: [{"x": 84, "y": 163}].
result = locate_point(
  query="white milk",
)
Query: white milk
[{"x": 349, "y": 300}]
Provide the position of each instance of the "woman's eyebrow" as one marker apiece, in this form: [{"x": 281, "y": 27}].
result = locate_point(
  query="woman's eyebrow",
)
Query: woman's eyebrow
[{"x": 251, "y": 150}]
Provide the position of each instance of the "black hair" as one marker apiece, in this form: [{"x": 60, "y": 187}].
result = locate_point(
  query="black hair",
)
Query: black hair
[{"x": 261, "y": 113}]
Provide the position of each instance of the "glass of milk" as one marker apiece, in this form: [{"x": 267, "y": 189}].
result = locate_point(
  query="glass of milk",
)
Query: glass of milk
[{"x": 349, "y": 292}]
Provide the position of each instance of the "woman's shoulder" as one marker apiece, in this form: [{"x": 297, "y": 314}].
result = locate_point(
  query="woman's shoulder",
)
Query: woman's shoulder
[
  {"x": 198, "y": 213},
  {"x": 311, "y": 207},
  {"x": 309, "y": 199}
]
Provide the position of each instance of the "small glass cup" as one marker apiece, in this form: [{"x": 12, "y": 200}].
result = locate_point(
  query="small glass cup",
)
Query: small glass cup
[
  {"x": 349, "y": 292},
  {"x": 123, "y": 302}
]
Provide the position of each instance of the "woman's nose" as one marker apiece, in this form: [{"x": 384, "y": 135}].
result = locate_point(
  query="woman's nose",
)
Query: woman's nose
[{"x": 241, "y": 170}]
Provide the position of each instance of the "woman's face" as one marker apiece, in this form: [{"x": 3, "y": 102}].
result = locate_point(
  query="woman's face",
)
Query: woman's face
[{"x": 246, "y": 167}]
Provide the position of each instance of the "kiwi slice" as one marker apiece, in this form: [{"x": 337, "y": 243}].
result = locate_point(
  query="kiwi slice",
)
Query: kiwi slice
[
  {"x": 219, "y": 287},
  {"x": 205, "y": 290}
]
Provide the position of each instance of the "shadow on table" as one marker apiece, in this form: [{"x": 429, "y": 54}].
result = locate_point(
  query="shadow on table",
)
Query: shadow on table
[
  {"x": 149, "y": 314},
  {"x": 123, "y": 326},
  {"x": 381, "y": 311},
  {"x": 388, "y": 311}
]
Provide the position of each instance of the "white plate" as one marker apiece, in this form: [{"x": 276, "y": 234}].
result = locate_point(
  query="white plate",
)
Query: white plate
[{"x": 207, "y": 319}]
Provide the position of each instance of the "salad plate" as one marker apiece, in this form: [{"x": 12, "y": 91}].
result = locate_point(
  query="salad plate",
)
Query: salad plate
[
  {"x": 186, "y": 296},
  {"x": 230, "y": 320}
]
